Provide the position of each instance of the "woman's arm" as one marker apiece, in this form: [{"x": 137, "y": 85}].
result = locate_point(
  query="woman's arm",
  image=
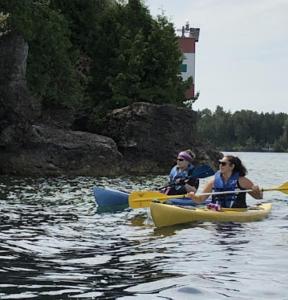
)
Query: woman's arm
[
  {"x": 247, "y": 184},
  {"x": 207, "y": 189}
]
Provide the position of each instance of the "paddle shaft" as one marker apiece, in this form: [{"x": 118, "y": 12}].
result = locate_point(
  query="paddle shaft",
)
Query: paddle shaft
[
  {"x": 275, "y": 189},
  {"x": 223, "y": 193},
  {"x": 242, "y": 191},
  {"x": 144, "y": 198},
  {"x": 165, "y": 197}
]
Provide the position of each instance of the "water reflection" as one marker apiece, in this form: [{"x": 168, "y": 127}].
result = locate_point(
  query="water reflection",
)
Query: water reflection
[
  {"x": 231, "y": 237},
  {"x": 227, "y": 233},
  {"x": 111, "y": 209},
  {"x": 141, "y": 220},
  {"x": 171, "y": 230}
]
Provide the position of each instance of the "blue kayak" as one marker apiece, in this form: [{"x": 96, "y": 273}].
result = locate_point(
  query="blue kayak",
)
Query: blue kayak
[{"x": 107, "y": 197}]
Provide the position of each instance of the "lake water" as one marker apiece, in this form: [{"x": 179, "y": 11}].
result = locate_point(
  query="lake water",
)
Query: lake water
[{"x": 54, "y": 244}]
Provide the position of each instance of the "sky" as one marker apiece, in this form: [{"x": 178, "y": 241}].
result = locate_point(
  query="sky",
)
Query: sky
[{"x": 242, "y": 53}]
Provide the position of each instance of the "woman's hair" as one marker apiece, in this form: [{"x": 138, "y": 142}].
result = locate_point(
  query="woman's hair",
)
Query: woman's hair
[
  {"x": 238, "y": 165},
  {"x": 191, "y": 153}
]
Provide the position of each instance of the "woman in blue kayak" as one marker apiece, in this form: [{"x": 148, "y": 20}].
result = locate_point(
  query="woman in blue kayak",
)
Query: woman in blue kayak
[
  {"x": 180, "y": 179},
  {"x": 230, "y": 177}
]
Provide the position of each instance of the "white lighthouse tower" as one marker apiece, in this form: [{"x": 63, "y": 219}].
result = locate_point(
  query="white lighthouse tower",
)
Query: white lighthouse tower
[{"x": 187, "y": 41}]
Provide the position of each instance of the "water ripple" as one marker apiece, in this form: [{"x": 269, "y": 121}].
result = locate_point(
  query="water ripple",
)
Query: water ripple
[{"x": 56, "y": 244}]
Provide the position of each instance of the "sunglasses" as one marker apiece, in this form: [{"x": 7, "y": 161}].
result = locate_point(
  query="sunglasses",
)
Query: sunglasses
[
  {"x": 180, "y": 159},
  {"x": 223, "y": 163}
]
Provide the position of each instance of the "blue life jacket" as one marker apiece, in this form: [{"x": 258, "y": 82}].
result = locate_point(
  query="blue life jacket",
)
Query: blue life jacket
[
  {"x": 228, "y": 200},
  {"x": 176, "y": 173},
  {"x": 176, "y": 187}
]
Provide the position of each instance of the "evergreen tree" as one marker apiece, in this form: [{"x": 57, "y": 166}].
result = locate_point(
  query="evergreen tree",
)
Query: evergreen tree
[
  {"x": 51, "y": 72},
  {"x": 106, "y": 52},
  {"x": 138, "y": 58},
  {"x": 244, "y": 130}
]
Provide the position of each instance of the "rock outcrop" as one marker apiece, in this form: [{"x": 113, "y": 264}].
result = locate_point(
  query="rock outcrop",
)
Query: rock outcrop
[
  {"x": 138, "y": 139},
  {"x": 30, "y": 148},
  {"x": 17, "y": 107},
  {"x": 52, "y": 151},
  {"x": 149, "y": 136}
]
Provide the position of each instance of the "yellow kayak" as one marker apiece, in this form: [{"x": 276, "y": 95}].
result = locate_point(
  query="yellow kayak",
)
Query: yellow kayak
[{"x": 167, "y": 215}]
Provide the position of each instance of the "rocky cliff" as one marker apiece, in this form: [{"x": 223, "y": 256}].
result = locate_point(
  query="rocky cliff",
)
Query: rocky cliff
[{"x": 139, "y": 139}]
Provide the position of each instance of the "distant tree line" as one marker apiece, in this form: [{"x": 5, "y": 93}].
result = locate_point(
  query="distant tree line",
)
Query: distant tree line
[
  {"x": 244, "y": 130},
  {"x": 97, "y": 54}
]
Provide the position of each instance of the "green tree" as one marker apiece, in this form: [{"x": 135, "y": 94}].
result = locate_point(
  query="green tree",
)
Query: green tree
[
  {"x": 138, "y": 58},
  {"x": 51, "y": 72},
  {"x": 281, "y": 144},
  {"x": 205, "y": 125},
  {"x": 107, "y": 53},
  {"x": 244, "y": 130}
]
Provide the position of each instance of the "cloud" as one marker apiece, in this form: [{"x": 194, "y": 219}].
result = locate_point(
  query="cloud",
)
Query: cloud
[{"x": 241, "y": 56}]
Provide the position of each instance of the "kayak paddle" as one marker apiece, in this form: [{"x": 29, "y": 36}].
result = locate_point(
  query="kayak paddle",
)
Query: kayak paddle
[
  {"x": 282, "y": 188},
  {"x": 141, "y": 199}
]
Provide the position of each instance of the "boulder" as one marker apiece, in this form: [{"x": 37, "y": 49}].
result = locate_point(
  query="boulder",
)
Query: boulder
[
  {"x": 51, "y": 151},
  {"x": 149, "y": 136}
]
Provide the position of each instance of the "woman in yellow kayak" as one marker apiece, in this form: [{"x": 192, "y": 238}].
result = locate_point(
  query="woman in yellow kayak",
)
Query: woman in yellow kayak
[
  {"x": 180, "y": 177},
  {"x": 230, "y": 177}
]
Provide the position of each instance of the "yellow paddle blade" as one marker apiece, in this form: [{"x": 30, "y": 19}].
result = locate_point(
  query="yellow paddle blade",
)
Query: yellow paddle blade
[
  {"x": 282, "y": 188},
  {"x": 140, "y": 199}
]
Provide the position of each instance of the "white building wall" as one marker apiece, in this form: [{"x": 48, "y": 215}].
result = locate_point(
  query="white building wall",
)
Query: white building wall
[{"x": 189, "y": 60}]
